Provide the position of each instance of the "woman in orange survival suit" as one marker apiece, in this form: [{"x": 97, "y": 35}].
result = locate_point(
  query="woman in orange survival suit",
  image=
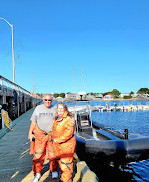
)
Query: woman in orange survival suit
[{"x": 64, "y": 141}]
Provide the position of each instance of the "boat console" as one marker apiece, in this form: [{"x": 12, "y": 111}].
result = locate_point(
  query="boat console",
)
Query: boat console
[{"x": 83, "y": 122}]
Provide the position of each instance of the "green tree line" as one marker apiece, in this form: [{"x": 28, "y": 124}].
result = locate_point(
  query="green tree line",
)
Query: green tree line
[{"x": 116, "y": 93}]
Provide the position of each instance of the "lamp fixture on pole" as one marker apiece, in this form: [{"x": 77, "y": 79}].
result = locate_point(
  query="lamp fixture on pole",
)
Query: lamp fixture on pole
[{"x": 13, "y": 62}]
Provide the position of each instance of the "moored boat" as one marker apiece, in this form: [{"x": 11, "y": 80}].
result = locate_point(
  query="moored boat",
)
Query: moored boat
[{"x": 97, "y": 142}]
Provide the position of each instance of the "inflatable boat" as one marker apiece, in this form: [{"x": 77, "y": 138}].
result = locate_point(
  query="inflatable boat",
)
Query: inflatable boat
[{"x": 95, "y": 141}]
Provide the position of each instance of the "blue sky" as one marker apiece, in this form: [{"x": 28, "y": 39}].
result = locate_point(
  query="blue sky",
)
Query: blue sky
[{"x": 108, "y": 39}]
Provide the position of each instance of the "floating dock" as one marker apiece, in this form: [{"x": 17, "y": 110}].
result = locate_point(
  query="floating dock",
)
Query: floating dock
[{"x": 119, "y": 108}]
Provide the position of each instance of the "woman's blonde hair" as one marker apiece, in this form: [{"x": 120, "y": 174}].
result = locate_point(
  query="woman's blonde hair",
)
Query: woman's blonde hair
[{"x": 64, "y": 106}]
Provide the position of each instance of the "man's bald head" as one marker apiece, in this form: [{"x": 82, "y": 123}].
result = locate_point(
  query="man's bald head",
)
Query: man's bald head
[{"x": 47, "y": 99}]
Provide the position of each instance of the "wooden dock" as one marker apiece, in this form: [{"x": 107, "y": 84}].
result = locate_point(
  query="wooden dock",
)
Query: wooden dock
[{"x": 15, "y": 161}]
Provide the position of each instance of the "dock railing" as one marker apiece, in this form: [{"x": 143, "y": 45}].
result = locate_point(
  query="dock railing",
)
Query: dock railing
[
  {"x": 21, "y": 97},
  {"x": 4, "y": 87}
]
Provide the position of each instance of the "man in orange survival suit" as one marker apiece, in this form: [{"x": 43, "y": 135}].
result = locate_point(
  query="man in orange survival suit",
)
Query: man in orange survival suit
[
  {"x": 64, "y": 141},
  {"x": 41, "y": 127}
]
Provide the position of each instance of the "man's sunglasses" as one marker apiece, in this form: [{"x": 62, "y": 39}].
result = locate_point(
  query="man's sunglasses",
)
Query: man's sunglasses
[{"x": 48, "y": 100}]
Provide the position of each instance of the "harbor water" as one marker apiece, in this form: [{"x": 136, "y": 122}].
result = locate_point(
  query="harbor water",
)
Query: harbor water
[{"x": 137, "y": 122}]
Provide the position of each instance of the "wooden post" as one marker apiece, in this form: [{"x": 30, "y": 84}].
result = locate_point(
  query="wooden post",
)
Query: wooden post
[{"x": 24, "y": 103}]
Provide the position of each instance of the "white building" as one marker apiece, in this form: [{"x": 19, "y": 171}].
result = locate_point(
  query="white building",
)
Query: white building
[
  {"x": 59, "y": 99},
  {"x": 81, "y": 95},
  {"x": 108, "y": 97},
  {"x": 70, "y": 96},
  {"x": 75, "y": 96},
  {"x": 134, "y": 95},
  {"x": 99, "y": 95},
  {"x": 124, "y": 94},
  {"x": 90, "y": 97}
]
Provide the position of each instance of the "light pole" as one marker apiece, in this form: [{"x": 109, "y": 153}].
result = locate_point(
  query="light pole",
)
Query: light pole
[{"x": 13, "y": 62}]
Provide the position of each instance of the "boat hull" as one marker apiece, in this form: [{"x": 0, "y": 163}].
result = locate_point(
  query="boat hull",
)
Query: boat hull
[{"x": 120, "y": 151}]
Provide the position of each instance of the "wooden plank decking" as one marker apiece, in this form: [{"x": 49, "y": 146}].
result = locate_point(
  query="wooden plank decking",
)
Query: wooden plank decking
[{"x": 15, "y": 161}]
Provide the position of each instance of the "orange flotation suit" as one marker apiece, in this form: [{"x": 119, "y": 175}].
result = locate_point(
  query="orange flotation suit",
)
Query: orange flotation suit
[
  {"x": 38, "y": 147},
  {"x": 64, "y": 143}
]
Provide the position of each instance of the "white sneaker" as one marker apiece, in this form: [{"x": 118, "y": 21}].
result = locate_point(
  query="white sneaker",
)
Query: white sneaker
[
  {"x": 54, "y": 174},
  {"x": 37, "y": 177}
]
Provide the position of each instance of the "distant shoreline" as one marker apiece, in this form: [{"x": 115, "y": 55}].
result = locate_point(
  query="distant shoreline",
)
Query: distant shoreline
[{"x": 132, "y": 99}]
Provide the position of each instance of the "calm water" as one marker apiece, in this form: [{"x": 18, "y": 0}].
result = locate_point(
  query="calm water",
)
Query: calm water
[{"x": 134, "y": 121}]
